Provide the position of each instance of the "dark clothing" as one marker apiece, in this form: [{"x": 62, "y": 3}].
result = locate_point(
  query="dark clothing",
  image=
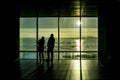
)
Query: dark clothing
[
  {"x": 41, "y": 45},
  {"x": 50, "y": 43},
  {"x": 50, "y": 46},
  {"x": 41, "y": 48}
]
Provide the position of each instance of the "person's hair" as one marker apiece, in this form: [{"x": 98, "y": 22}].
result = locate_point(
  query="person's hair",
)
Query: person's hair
[
  {"x": 52, "y": 35},
  {"x": 42, "y": 37}
]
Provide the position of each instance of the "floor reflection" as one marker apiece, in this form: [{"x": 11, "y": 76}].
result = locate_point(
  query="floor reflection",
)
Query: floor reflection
[{"x": 63, "y": 70}]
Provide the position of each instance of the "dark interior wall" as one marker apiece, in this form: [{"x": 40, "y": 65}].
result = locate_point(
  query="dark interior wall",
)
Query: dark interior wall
[
  {"x": 10, "y": 40},
  {"x": 103, "y": 30},
  {"x": 108, "y": 21}
]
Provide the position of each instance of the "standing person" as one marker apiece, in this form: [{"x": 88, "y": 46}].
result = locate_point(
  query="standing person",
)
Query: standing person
[
  {"x": 50, "y": 45},
  {"x": 41, "y": 43}
]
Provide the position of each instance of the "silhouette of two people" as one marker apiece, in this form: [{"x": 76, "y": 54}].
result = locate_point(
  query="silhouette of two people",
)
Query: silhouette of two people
[{"x": 50, "y": 47}]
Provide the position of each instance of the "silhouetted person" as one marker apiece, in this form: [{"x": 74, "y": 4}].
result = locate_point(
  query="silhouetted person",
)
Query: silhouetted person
[
  {"x": 41, "y": 43},
  {"x": 50, "y": 47}
]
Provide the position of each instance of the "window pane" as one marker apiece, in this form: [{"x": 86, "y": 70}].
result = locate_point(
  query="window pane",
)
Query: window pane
[
  {"x": 69, "y": 34},
  {"x": 27, "y": 34},
  {"x": 89, "y": 34},
  {"x": 27, "y": 55},
  {"x": 47, "y": 26}
]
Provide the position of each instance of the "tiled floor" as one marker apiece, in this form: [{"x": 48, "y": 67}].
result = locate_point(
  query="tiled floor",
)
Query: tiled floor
[{"x": 63, "y": 70}]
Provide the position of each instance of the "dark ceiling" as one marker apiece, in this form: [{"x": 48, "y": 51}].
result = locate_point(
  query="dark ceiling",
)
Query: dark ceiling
[{"x": 53, "y": 8}]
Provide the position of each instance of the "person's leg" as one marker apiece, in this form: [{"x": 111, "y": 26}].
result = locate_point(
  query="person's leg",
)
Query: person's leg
[
  {"x": 42, "y": 56},
  {"x": 39, "y": 56},
  {"x": 51, "y": 55},
  {"x": 48, "y": 55}
]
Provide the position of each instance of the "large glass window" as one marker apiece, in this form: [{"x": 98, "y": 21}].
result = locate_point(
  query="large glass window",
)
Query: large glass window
[{"x": 72, "y": 37}]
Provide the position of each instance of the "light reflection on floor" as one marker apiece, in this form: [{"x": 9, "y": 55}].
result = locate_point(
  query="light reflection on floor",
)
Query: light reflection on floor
[
  {"x": 89, "y": 69},
  {"x": 64, "y": 70}
]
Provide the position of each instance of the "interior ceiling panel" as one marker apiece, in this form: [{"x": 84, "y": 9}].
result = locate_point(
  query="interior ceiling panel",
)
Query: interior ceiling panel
[{"x": 44, "y": 8}]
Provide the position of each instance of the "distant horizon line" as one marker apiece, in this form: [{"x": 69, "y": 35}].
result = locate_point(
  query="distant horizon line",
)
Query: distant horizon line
[{"x": 65, "y": 37}]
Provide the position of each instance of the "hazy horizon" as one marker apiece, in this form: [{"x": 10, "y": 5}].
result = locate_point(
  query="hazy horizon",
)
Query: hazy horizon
[{"x": 69, "y": 27}]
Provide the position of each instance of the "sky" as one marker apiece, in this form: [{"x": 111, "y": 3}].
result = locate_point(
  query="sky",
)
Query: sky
[{"x": 69, "y": 26}]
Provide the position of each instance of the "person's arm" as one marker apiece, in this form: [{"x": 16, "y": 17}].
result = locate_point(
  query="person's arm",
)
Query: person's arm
[{"x": 54, "y": 40}]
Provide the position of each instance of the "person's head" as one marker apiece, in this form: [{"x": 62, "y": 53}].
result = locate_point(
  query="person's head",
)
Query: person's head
[
  {"x": 51, "y": 35},
  {"x": 42, "y": 37}
]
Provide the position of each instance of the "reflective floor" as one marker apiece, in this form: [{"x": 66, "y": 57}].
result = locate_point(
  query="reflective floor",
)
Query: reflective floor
[{"x": 63, "y": 70}]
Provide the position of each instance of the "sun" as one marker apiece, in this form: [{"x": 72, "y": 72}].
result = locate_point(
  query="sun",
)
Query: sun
[{"x": 78, "y": 23}]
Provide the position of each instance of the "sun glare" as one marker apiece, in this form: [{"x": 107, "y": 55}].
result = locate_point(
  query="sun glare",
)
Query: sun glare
[{"x": 78, "y": 23}]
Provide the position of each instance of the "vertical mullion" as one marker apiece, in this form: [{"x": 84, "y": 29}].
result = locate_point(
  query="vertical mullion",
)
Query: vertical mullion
[
  {"x": 37, "y": 12},
  {"x": 37, "y": 36},
  {"x": 80, "y": 28},
  {"x": 58, "y": 35},
  {"x": 80, "y": 41}
]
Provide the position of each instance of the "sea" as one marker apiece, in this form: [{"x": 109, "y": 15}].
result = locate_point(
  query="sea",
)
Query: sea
[{"x": 67, "y": 48}]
